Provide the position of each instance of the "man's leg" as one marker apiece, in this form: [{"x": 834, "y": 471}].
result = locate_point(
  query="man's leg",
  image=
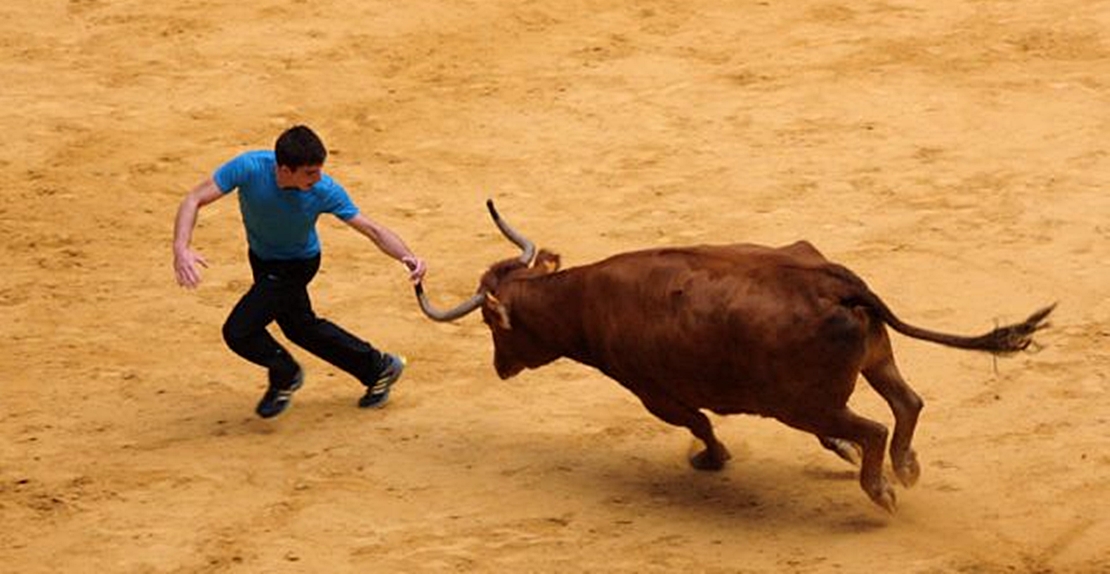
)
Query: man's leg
[
  {"x": 376, "y": 370},
  {"x": 332, "y": 343},
  {"x": 329, "y": 341},
  {"x": 245, "y": 333}
]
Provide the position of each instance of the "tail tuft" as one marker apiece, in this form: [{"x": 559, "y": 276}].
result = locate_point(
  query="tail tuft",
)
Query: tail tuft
[{"x": 1018, "y": 336}]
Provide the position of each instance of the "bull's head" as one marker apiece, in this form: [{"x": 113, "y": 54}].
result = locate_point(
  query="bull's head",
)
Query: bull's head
[{"x": 514, "y": 349}]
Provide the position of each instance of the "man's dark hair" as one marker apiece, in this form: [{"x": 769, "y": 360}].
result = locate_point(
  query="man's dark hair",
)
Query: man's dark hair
[{"x": 299, "y": 146}]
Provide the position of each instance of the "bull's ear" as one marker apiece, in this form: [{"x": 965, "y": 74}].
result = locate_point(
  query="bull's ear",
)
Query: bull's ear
[
  {"x": 500, "y": 311},
  {"x": 548, "y": 261}
]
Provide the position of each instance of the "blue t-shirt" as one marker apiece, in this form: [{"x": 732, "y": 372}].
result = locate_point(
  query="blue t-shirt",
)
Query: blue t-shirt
[{"x": 280, "y": 223}]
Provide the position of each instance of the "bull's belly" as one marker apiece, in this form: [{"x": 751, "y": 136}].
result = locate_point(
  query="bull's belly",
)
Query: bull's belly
[
  {"x": 754, "y": 364},
  {"x": 766, "y": 384}
]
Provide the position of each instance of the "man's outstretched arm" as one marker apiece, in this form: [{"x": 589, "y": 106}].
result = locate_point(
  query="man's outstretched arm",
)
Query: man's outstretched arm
[{"x": 186, "y": 262}]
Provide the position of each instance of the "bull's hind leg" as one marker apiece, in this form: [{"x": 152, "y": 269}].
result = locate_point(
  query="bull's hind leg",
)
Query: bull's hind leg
[
  {"x": 906, "y": 405},
  {"x": 678, "y": 414},
  {"x": 868, "y": 434}
]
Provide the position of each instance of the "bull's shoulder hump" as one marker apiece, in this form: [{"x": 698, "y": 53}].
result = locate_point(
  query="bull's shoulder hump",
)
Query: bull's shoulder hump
[{"x": 804, "y": 251}]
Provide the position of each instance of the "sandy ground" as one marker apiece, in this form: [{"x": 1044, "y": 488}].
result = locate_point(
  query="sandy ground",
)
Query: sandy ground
[{"x": 952, "y": 152}]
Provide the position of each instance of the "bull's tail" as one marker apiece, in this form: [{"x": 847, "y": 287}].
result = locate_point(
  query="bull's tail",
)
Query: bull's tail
[{"x": 1002, "y": 340}]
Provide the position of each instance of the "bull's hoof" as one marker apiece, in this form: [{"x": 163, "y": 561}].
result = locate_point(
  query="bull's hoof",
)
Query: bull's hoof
[
  {"x": 707, "y": 460},
  {"x": 883, "y": 495},
  {"x": 847, "y": 450},
  {"x": 907, "y": 470}
]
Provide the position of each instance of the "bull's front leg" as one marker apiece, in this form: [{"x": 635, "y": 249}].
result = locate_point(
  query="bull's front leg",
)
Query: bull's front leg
[{"x": 714, "y": 455}]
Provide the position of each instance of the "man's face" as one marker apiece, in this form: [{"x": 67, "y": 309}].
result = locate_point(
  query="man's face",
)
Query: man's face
[{"x": 302, "y": 178}]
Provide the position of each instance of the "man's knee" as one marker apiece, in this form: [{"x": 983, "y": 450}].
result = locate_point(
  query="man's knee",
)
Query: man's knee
[
  {"x": 237, "y": 338},
  {"x": 301, "y": 329}
]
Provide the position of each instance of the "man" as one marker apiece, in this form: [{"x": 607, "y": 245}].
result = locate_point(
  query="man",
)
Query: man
[{"x": 281, "y": 194}]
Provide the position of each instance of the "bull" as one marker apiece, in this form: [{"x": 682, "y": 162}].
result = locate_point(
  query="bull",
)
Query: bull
[{"x": 733, "y": 329}]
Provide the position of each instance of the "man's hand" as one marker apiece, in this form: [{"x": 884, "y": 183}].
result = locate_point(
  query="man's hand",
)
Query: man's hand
[
  {"x": 417, "y": 268},
  {"x": 185, "y": 265}
]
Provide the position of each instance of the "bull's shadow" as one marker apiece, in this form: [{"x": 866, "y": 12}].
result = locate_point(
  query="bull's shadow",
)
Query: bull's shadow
[{"x": 650, "y": 476}]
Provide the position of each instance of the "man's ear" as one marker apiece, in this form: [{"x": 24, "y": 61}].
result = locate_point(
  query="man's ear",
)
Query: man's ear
[{"x": 500, "y": 311}]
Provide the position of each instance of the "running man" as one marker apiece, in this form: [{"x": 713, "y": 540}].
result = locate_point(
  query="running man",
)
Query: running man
[{"x": 281, "y": 195}]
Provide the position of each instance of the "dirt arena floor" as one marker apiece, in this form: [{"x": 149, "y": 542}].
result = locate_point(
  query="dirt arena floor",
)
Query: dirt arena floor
[{"x": 954, "y": 153}]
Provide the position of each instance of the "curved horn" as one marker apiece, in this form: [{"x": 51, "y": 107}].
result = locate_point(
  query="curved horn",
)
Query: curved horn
[
  {"x": 451, "y": 314},
  {"x": 476, "y": 300},
  {"x": 521, "y": 241}
]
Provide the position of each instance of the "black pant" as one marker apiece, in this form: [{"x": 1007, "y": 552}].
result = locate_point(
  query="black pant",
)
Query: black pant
[{"x": 280, "y": 292}]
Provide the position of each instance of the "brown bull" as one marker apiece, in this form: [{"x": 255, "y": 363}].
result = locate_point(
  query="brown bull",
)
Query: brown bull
[{"x": 777, "y": 332}]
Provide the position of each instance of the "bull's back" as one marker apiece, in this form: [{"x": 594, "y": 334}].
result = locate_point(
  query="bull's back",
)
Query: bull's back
[{"x": 705, "y": 288}]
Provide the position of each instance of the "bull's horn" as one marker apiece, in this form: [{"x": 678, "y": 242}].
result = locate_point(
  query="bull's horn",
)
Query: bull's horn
[
  {"x": 521, "y": 241},
  {"x": 475, "y": 301},
  {"x": 451, "y": 314}
]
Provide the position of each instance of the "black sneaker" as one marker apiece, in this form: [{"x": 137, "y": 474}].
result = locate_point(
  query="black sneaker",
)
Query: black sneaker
[
  {"x": 277, "y": 399},
  {"x": 377, "y": 395}
]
